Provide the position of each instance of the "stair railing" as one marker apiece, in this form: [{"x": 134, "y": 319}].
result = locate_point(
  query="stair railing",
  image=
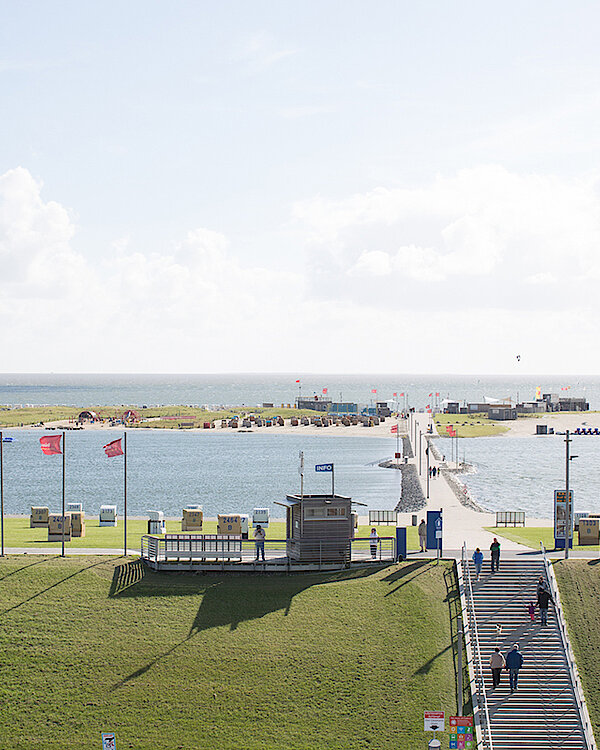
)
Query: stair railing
[
  {"x": 584, "y": 716},
  {"x": 481, "y": 712}
]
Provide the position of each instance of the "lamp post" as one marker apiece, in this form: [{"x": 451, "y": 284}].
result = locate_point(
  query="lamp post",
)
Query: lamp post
[
  {"x": 569, "y": 509},
  {"x": 420, "y": 433}
]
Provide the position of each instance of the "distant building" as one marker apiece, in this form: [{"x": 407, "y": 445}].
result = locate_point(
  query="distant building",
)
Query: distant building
[
  {"x": 477, "y": 408},
  {"x": 347, "y": 407},
  {"x": 501, "y": 412},
  {"x": 452, "y": 407},
  {"x": 573, "y": 404},
  {"x": 383, "y": 409},
  {"x": 316, "y": 403}
]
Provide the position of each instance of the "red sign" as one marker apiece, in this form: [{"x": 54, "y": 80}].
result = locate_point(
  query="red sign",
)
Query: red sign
[
  {"x": 397, "y": 455},
  {"x": 50, "y": 444},
  {"x": 460, "y": 721},
  {"x": 434, "y": 721}
]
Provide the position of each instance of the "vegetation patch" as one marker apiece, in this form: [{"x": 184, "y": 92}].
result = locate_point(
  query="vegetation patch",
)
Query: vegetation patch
[
  {"x": 346, "y": 660},
  {"x": 532, "y": 536},
  {"x": 579, "y": 583},
  {"x": 469, "y": 425}
]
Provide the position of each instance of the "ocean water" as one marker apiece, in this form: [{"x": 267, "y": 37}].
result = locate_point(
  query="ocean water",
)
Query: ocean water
[
  {"x": 522, "y": 473},
  {"x": 253, "y": 389},
  {"x": 167, "y": 469}
]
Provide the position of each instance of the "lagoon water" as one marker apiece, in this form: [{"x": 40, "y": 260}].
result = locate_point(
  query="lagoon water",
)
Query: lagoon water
[
  {"x": 227, "y": 473},
  {"x": 522, "y": 473},
  {"x": 167, "y": 469}
]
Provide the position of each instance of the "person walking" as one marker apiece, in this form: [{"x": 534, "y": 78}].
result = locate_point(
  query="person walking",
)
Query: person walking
[
  {"x": 478, "y": 561},
  {"x": 543, "y": 600},
  {"x": 497, "y": 664},
  {"x": 495, "y": 553},
  {"x": 259, "y": 541},
  {"x": 423, "y": 535},
  {"x": 373, "y": 542},
  {"x": 514, "y": 662}
]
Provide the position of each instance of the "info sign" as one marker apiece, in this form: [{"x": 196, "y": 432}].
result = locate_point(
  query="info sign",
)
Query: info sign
[
  {"x": 563, "y": 515},
  {"x": 462, "y": 734},
  {"x": 109, "y": 741},
  {"x": 434, "y": 721}
]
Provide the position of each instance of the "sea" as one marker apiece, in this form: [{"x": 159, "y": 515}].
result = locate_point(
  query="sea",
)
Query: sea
[{"x": 168, "y": 469}]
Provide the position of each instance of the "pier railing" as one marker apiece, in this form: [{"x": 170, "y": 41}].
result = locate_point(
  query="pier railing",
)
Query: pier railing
[{"x": 206, "y": 547}]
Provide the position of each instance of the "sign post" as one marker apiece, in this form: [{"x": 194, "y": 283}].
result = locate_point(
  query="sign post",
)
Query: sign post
[
  {"x": 563, "y": 513},
  {"x": 434, "y": 722},
  {"x": 109, "y": 741},
  {"x": 438, "y": 535},
  {"x": 328, "y": 467},
  {"x": 462, "y": 733}
]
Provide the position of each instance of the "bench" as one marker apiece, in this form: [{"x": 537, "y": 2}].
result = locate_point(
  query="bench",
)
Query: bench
[
  {"x": 510, "y": 518},
  {"x": 387, "y": 517}
]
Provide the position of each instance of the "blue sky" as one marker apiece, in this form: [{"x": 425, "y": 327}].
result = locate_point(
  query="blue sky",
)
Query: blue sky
[{"x": 282, "y": 186}]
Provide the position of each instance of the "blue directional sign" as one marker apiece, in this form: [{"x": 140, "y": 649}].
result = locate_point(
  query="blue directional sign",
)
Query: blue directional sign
[{"x": 324, "y": 467}]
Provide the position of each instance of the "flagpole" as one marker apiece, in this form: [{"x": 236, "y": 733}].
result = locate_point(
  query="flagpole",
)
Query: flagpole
[
  {"x": 125, "y": 492},
  {"x": 1, "y": 497},
  {"x": 332, "y": 482},
  {"x": 64, "y": 450}
]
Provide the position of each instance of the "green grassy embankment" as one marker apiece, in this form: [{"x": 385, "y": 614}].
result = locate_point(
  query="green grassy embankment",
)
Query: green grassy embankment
[
  {"x": 18, "y": 534},
  {"x": 347, "y": 660},
  {"x": 36, "y": 414},
  {"x": 469, "y": 425},
  {"x": 532, "y": 536},
  {"x": 579, "y": 583}
]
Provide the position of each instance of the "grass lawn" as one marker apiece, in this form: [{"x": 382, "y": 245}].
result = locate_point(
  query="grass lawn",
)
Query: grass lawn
[
  {"x": 178, "y": 661},
  {"x": 34, "y": 414},
  {"x": 18, "y": 534},
  {"x": 469, "y": 425},
  {"x": 579, "y": 583},
  {"x": 532, "y": 536}
]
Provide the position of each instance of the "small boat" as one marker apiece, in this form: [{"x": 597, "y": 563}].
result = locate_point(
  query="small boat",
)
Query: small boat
[{"x": 8, "y": 440}]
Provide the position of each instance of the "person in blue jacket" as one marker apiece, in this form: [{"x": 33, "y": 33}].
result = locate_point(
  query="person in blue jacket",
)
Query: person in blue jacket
[
  {"x": 478, "y": 561},
  {"x": 514, "y": 662}
]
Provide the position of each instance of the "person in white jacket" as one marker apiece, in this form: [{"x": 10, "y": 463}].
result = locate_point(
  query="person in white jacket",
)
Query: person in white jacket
[
  {"x": 373, "y": 542},
  {"x": 259, "y": 541}
]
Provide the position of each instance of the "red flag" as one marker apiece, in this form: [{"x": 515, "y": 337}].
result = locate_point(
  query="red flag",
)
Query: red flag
[
  {"x": 114, "y": 448},
  {"x": 402, "y": 394},
  {"x": 394, "y": 428},
  {"x": 373, "y": 390},
  {"x": 449, "y": 428},
  {"x": 297, "y": 381},
  {"x": 394, "y": 395},
  {"x": 50, "y": 444},
  {"x": 324, "y": 390},
  {"x": 437, "y": 394},
  {"x": 431, "y": 394}
]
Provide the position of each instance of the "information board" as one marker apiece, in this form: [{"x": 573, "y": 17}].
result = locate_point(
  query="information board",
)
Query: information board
[
  {"x": 462, "y": 734},
  {"x": 563, "y": 515},
  {"x": 109, "y": 741},
  {"x": 434, "y": 721}
]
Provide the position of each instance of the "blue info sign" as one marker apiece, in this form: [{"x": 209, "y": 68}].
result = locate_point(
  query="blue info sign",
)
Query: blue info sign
[{"x": 324, "y": 467}]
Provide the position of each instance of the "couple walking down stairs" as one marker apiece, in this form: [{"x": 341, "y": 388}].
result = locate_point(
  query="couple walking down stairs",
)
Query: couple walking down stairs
[{"x": 543, "y": 711}]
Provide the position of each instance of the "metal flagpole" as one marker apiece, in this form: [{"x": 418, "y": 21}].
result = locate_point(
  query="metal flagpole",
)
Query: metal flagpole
[
  {"x": 125, "y": 493},
  {"x": 332, "y": 482},
  {"x": 64, "y": 450},
  {"x": 1, "y": 497},
  {"x": 427, "y": 452},
  {"x": 567, "y": 508},
  {"x": 420, "y": 451}
]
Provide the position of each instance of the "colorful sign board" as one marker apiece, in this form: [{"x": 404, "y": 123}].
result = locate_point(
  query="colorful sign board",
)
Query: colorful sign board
[
  {"x": 324, "y": 467},
  {"x": 109, "y": 741},
  {"x": 563, "y": 517},
  {"x": 462, "y": 733},
  {"x": 434, "y": 721}
]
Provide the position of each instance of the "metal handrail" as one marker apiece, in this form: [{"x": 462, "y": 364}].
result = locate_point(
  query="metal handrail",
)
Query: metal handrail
[
  {"x": 479, "y": 678},
  {"x": 584, "y": 716}
]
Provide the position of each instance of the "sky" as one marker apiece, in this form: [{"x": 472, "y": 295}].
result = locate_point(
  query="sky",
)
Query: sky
[{"x": 347, "y": 186}]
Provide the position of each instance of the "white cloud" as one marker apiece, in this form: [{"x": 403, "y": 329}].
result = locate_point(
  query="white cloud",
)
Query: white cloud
[{"x": 454, "y": 277}]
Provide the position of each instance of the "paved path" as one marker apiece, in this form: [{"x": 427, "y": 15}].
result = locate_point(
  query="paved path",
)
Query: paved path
[{"x": 460, "y": 522}]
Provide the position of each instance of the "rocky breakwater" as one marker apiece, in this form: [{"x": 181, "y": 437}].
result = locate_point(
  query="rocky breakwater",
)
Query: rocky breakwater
[{"x": 412, "y": 498}]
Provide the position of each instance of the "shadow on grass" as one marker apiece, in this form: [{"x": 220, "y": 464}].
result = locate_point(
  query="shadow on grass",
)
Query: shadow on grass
[
  {"x": 24, "y": 567},
  {"x": 406, "y": 571},
  {"x": 459, "y": 654},
  {"x": 54, "y": 585},
  {"x": 227, "y": 600}
]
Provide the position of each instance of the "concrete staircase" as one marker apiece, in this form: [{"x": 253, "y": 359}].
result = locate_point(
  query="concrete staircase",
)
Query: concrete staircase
[{"x": 542, "y": 712}]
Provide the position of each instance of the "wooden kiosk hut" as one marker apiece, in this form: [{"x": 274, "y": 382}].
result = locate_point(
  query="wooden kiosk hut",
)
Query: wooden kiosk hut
[{"x": 319, "y": 527}]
